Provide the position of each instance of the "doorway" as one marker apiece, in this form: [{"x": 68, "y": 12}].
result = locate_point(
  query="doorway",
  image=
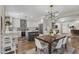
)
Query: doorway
[{"x": 23, "y": 25}]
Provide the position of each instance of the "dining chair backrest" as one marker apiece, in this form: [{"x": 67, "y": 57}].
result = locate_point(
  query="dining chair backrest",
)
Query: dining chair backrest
[
  {"x": 69, "y": 40},
  {"x": 59, "y": 44},
  {"x": 38, "y": 43},
  {"x": 65, "y": 40}
]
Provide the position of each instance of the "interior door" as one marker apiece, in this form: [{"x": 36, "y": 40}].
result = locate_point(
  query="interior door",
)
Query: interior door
[
  {"x": 41, "y": 28},
  {"x": 23, "y": 26},
  {"x": 0, "y": 32}
]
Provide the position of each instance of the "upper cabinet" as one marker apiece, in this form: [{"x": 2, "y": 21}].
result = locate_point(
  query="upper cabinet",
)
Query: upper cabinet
[{"x": 8, "y": 24}]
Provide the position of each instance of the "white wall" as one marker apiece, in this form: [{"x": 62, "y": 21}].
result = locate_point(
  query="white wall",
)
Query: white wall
[
  {"x": 65, "y": 28},
  {"x": 66, "y": 22},
  {"x": 16, "y": 22},
  {"x": 46, "y": 26},
  {"x": 59, "y": 27},
  {"x": 75, "y": 24},
  {"x": 32, "y": 23},
  {"x": 1, "y": 14}
]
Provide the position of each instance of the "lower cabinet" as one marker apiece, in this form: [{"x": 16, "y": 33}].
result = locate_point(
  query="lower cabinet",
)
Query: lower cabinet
[
  {"x": 32, "y": 35},
  {"x": 8, "y": 45}
]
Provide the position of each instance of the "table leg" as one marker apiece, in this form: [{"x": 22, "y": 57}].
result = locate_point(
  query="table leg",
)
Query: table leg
[
  {"x": 49, "y": 48},
  {"x": 66, "y": 47}
]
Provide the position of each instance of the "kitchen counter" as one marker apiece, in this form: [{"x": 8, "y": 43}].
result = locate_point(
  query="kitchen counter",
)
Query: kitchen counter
[
  {"x": 32, "y": 35},
  {"x": 75, "y": 32}
]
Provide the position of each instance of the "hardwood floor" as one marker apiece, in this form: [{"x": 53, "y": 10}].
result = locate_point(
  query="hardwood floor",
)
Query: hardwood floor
[
  {"x": 75, "y": 43},
  {"x": 24, "y": 45}
]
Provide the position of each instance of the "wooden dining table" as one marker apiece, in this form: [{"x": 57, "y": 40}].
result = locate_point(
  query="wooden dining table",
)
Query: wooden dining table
[{"x": 50, "y": 39}]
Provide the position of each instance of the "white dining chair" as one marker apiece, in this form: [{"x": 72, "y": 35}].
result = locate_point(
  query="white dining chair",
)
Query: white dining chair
[
  {"x": 65, "y": 42},
  {"x": 69, "y": 49},
  {"x": 59, "y": 44},
  {"x": 40, "y": 46},
  {"x": 62, "y": 46},
  {"x": 58, "y": 47}
]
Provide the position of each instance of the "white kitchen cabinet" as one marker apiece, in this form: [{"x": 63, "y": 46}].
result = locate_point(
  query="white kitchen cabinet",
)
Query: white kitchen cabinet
[
  {"x": 9, "y": 44},
  {"x": 8, "y": 41}
]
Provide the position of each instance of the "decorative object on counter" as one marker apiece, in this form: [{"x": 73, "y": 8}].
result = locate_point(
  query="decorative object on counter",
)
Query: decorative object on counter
[
  {"x": 72, "y": 27},
  {"x": 7, "y": 23},
  {"x": 36, "y": 28},
  {"x": 56, "y": 29},
  {"x": 56, "y": 26}
]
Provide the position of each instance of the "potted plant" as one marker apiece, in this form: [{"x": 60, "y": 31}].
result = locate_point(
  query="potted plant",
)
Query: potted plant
[{"x": 7, "y": 24}]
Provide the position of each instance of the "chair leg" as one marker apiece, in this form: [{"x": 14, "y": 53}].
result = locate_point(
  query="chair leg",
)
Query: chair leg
[
  {"x": 65, "y": 48},
  {"x": 55, "y": 50},
  {"x": 35, "y": 48}
]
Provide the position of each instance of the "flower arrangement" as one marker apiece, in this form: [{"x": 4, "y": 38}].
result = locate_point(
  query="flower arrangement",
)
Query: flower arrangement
[
  {"x": 7, "y": 23},
  {"x": 50, "y": 32}
]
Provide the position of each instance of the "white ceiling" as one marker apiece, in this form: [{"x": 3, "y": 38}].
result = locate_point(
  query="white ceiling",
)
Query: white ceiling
[
  {"x": 37, "y": 11},
  {"x": 28, "y": 10}
]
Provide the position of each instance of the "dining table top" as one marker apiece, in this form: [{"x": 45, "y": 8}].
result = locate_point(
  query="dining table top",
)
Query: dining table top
[{"x": 49, "y": 38}]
